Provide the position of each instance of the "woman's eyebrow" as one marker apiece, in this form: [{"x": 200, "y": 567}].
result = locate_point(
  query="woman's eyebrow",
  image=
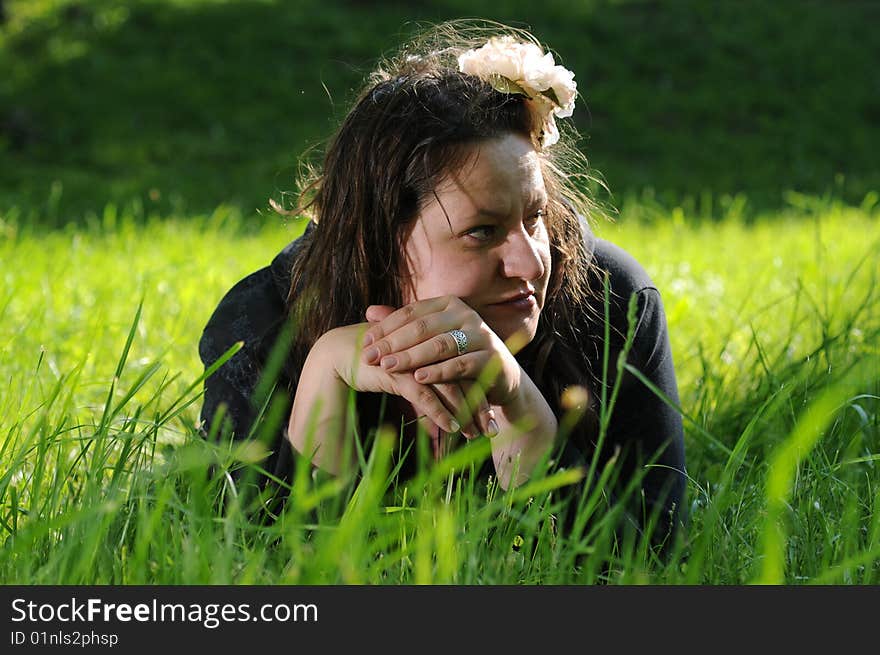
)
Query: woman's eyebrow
[
  {"x": 500, "y": 214},
  {"x": 490, "y": 213},
  {"x": 539, "y": 200}
]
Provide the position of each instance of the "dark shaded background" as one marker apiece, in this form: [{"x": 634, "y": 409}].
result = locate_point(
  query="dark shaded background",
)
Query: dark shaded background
[{"x": 167, "y": 106}]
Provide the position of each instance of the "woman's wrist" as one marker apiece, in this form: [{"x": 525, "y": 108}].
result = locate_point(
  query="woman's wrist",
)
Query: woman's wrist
[{"x": 528, "y": 430}]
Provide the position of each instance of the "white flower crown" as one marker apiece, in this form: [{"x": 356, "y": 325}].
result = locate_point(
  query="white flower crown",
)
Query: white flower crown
[{"x": 512, "y": 66}]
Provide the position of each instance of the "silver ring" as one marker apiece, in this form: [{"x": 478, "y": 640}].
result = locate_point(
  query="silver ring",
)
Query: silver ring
[{"x": 461, "y": 341}]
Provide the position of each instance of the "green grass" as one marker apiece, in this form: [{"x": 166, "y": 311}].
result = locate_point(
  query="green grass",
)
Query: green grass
[
  {"x": 139, "y": 142},
  {"x": 775, "y": 327}
]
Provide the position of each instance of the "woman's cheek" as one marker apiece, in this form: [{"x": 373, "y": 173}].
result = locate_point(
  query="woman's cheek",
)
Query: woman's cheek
[{"x": 458, "y": 279}]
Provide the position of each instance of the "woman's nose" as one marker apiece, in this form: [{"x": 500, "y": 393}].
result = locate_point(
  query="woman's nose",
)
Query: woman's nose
[{"x": 522, "y": 257}]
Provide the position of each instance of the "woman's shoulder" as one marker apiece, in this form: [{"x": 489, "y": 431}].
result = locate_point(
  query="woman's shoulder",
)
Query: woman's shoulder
[
  {"x": 253, "y": 306},
  {"x": 243, "y": 314},
  {"x": 627, "y": 279}
]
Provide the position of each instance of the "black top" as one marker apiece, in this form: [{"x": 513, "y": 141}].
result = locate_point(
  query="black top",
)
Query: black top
[{"x": 641, "y": 423}]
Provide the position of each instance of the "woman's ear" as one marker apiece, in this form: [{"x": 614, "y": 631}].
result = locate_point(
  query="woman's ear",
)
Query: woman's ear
[{"x": 376, "y": 313}]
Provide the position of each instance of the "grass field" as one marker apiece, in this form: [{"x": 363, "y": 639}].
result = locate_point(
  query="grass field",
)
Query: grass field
[
  {"x": 139, "y": 141},
  {"x": 774, "y": 325}
]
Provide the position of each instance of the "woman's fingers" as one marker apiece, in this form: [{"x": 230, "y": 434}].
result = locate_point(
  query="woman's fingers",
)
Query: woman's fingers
[
  {"x": 426, "y": 402},
  {"x": 465, "y": 367},
  {"x": 467, "y": 401},
  {"x": 377, "y": 313},
  {"x": 404, "y": 315},
  {"x": 439, "y": 348},
  {"x": 482, "y": 413},
  {"x": 415, "y": 323},
  {"x": 480, "y": 368},
  {"x": 454, "y": 398},
  {"x": 430, "y": 331}
]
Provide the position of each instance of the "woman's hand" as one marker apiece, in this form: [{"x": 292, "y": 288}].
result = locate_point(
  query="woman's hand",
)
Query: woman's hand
[
  {"x": 318, "y": 417},
  {"x": 341, "y": 348},
  {"x": 416, "y": 338},
  {"x": 470, "y": 408}
]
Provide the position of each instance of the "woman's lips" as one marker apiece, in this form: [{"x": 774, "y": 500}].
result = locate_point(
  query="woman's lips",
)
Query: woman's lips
[{"x": 526, "y": 304}]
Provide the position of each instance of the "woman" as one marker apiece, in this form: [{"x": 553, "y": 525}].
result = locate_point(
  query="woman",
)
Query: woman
[{"x": 448, "y": 277}]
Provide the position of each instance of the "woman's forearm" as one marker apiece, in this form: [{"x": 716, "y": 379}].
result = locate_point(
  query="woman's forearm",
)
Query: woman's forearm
[
  {"x": 527, "y": 432},
  {"x": 317, "y": 426}
]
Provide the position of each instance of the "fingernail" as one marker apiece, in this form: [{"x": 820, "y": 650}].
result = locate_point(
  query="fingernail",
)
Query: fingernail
[
  {"x": 492, "y": 428},
  {"x": 454, "y": 425},
  {"x": 372, "y": 353},
  {"x": 421, "y": 375},
  {"x": 389, "y": 362},
  {"x": 368, "y": 339}
]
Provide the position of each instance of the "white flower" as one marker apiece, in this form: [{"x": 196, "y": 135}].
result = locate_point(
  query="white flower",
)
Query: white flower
[
  {"x": 527, "y": 69},
  {"x": 563, "y": 85},
  {"x": 500, "y": 56}
]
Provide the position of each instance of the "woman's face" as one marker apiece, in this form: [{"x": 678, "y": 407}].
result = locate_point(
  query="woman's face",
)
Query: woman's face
[{"x": 481, "y": 236}]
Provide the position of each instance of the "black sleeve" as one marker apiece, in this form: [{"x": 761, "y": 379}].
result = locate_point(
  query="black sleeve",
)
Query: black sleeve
[
  {"x": 643, "y": 428},
  {"x": 251, "y": 312},
  {"x": 260, "y": 375}
]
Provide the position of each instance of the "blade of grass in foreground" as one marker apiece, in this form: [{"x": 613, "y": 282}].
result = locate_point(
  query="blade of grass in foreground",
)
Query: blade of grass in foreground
[{"x": 783, "y": 465}]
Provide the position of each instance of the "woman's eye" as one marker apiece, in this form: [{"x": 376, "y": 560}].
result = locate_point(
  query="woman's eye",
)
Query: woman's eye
[
  {"x": 482, "y": 233},
  {"x": 536, "y": 218}
]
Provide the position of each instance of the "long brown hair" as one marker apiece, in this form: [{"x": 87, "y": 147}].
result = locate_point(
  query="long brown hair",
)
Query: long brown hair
[{"x": 412, "y": 123}]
